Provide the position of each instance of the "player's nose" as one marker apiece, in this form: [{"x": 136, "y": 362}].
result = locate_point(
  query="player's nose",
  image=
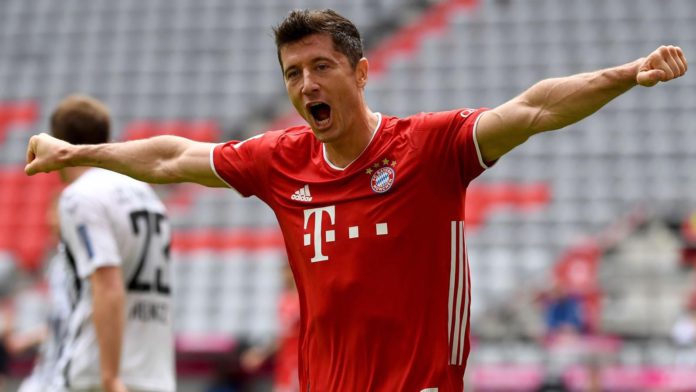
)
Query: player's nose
[{"x": 309, "y": 84}]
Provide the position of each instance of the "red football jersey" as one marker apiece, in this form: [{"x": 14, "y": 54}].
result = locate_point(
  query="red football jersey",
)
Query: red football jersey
[{"x": 376, "y": 248}]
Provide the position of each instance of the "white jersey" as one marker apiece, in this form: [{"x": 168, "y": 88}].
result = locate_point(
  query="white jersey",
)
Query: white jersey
[{"x": 107, "y": 219}]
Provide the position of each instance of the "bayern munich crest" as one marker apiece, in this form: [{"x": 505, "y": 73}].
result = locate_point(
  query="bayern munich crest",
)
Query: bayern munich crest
[{"x": 383, "y": 175}]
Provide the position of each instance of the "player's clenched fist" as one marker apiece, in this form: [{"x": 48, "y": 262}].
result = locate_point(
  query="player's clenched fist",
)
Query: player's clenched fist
[
  {"x": 45, "y": 154},
  {"x": 665, "y": 63}
]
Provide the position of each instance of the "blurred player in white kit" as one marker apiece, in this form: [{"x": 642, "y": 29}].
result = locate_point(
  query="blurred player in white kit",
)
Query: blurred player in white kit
[{"x": 115, "y": 332}]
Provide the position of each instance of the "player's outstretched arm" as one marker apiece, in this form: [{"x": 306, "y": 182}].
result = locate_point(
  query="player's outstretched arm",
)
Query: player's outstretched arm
[
  {"x": 558, "y": 102},
  {"x": 160, "y": 159}
]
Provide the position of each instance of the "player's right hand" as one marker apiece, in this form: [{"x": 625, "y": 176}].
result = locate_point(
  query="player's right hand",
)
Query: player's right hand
[
  {"x": 663, "y": 64},
  {"x": 45, "y": 154},
  {"x": 114, "y": 385}
]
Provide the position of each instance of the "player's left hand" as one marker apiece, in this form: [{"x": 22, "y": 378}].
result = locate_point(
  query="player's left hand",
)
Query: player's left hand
[{"x": 664, "y": 64}]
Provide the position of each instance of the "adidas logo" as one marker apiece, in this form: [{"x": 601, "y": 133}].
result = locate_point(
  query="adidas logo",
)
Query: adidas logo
[{"x": 302, "y": 194}]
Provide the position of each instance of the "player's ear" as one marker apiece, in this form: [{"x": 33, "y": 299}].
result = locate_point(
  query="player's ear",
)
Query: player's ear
[{"x": 361, "y": 70}]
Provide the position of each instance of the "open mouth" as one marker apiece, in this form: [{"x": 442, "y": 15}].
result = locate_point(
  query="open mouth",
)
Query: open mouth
[{"x": 321, "y": 112}]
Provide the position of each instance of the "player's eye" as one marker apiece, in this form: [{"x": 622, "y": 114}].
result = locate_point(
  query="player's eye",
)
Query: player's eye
[{"x": 291, "y": 74}]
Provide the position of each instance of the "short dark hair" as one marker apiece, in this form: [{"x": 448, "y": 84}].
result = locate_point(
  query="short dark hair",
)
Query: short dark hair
[
  {"x": 80, "y": 119},
  {"x": 302, "y": 23}
]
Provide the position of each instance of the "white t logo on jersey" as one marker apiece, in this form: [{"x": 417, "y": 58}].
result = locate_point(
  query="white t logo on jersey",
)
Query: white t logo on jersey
[{"x": 317, "y": 237}]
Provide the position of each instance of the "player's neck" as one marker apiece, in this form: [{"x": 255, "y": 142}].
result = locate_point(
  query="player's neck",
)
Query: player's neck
[
  {"x": 70, "y": 174},
  {"x": 343, "y": 152}
]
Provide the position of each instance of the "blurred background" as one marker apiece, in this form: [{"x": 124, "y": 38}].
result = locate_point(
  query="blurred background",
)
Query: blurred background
[{"x": 582, "y": 243}]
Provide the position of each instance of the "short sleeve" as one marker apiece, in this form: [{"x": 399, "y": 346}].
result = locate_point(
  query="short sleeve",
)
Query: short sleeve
[
  {"x": 455, "y": 133},
  {"x": 244, "y": 165},
  {"x": 87, "y": 233}
]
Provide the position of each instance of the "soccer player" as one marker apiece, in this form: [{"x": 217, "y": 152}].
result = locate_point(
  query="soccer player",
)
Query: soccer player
[
  {"x": 371, "y": 206},
  {"x": 115, "y": 242}
]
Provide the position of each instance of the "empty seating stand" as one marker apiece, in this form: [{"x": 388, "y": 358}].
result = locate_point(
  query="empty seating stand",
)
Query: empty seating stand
[
  {"x": 635, "y": 151},
  {"x": 211, "y": 65}
]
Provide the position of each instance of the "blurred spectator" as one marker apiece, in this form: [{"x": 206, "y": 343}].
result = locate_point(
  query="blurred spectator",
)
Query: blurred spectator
[
  {"x": 5, "y": 345},
  {"x": 231, "y": 375},
  {"x": 564, "y": 325},
  {"x": 284, "y": 350},
  {"x": 684, "y": 329},
  {"x": 594, "y": 371},
  {"x": 688, "y": 234},
  {"x": 286, "y": 364},
  {"x": 246, "y": 364},
  {"x": 55, "y": 327},
  {"x": 562, "y": 310},
  {"x": 13, "y": 343}
]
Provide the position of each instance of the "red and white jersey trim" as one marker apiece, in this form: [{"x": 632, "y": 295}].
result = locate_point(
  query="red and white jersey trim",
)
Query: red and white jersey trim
[
  {"x": 212, "y": 166},
  {"x": 459, "y": 295},
  {"x": 476, "y": 143}
]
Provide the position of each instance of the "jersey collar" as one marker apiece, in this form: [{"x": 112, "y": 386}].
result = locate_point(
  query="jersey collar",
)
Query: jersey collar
[{"x": 331, "y": 165}]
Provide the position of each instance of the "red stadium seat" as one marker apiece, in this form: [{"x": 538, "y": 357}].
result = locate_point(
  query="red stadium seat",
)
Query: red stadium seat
[
  {"x": 482, "y": 199},
  {"x": 14, "y": 113},
  {"x": 24, "y": 203},
  {"x": 263, "y": 238},
  {"x": 30, "y": 251}
]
